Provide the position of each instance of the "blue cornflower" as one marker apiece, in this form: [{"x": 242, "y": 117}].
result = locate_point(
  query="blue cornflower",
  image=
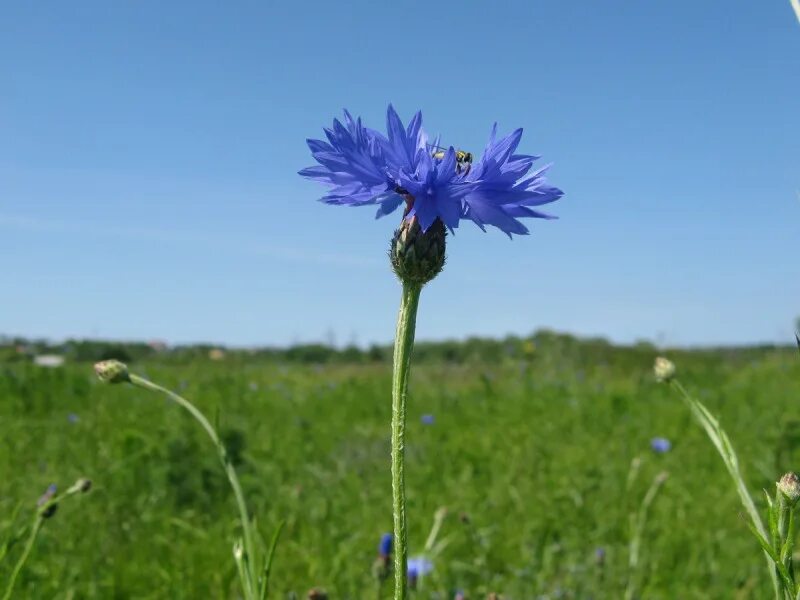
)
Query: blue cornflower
[
  {"x": 48, "y": 494},
  {"x": 353, "y": 161},
  {"x": 427, "y": 419},
  {"x": 385, "y": 546},
  {"x": 363, "y": 166},
  {"x": 600, "y": 555},
  {"x": 419, "y": 566},
  {"x": 660, "y": 445},
  {"x": 43, "y": 500}
]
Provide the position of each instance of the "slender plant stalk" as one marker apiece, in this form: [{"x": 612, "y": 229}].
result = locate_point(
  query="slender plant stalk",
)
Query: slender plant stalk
[
  {"x": 638, "y": 523},
  {"x": 250, "y": 580},
  {"x": 37, "y": 525},
  {"x": 438, "y": 518},
  {"x": 723, "y": 445},
  {"x": 43, "y": 513},
  {"x": 403, "y": 345}
]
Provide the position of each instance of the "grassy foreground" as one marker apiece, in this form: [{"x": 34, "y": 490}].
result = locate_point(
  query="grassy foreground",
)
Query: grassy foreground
[{"x": 530, "y": 456}]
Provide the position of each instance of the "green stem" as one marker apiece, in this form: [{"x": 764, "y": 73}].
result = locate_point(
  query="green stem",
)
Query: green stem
[
  {"x": 250, "y": 583},
  {"x": 37, "y": 525},
  {"x": 403, "y": 345},
  {"x": 723, "y": 445}
]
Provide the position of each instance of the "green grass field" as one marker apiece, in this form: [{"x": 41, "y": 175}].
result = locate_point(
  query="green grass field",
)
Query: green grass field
[{"x": 529, "y": 456}]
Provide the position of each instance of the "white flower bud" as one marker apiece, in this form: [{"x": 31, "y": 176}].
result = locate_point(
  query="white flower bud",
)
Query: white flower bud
[{"x": 664, "y": 369}]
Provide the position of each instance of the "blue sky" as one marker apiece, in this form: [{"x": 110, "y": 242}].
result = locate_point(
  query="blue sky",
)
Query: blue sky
[{"x": 148, "y": 159}]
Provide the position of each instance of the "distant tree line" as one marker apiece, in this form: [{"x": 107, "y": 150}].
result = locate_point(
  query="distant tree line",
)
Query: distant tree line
[{"x": 541, "y": 345}]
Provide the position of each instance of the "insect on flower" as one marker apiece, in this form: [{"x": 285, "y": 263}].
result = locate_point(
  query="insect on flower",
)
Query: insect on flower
[{"x": 463, "y": 159}]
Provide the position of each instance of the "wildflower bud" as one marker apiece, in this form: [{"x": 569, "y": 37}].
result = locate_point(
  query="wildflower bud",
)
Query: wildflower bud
[
  {"x": 112, "y": 371},
  {"x": 600, "y": 556},
  {"x": 83, "y": 485},
  {"x": 418, "y": 257},
  {"x": 48, "y": 510},
  {"x": 789, "y": 486},
  {"x": 664, "y": 369},
  {"x": 238, "y": 550}
]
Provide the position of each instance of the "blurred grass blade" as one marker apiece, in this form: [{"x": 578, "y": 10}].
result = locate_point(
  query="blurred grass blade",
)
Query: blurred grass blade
[
  {"x": 12, "y": 537},
  {"x": 639, "y": 521},
  {"x": 268, "y": 560},
  {"x": 725, "y": 449}
]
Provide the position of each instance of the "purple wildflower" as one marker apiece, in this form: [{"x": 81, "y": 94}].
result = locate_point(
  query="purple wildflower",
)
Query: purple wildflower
[
  {"x": 600, "y": 555},
  {"x": 427, "y": 419},
  {"x": 48, "y": 494},
  {"x": 385, "y": 546},
  {"x": 419, "y": 566},
  {"x": 660, "y": 445},
  {"x": 45, "y": 498},
  {"x": 365, "y": 167}
]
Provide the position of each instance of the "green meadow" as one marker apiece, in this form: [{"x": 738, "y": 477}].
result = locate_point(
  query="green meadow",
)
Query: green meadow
[{"x": 539, "y": 451}]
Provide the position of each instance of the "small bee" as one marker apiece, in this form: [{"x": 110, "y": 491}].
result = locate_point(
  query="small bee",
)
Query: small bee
[{"x": 463, "y": 159}]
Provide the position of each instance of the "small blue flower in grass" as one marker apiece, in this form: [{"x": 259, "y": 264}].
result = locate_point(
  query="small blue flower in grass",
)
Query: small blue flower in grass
[
  {"x": 660, "y": 445},
  {"x": 600, "y": 555},
  {"x": 363, "y": 166},
  {"x": 385, "y": 546},
  {"x": 419, "y": 566},
  {"x": 73, "y": 418},
  {"x": 48, "y": 494},
  {"x": 427, "y": 419}
]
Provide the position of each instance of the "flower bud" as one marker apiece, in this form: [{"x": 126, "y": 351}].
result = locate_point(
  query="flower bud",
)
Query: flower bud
[
  {"x": 112, "y": 371},
  {"x": 47, "y": 509},
  {"x": 83, "y": 485},
  {"x": 789, "y": 486},
  {"x": 664, "y": 369},
  {"x": 418, "y": 257}
]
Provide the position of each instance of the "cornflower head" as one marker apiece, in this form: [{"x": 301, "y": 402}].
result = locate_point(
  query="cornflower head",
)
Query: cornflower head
[
  {"x": 660, "y": 445},
  {"x": 440, "y": 186},
  {"x": 385, "y": 545},
  {"x": 382, "y": 565},
  {"x": 418, "y": 566},
  {"x": 44, "y": 500}
]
